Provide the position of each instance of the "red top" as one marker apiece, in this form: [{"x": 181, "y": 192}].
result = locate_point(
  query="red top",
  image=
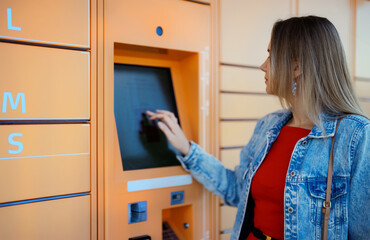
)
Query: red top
[{"x": 269, "y": 182}]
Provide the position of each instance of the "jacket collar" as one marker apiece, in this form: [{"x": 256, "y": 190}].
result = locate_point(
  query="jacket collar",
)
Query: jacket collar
[{"x": 328, "y": 121}]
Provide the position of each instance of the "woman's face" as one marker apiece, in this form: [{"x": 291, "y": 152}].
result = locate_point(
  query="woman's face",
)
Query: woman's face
[{"x": 265, "y": 67}]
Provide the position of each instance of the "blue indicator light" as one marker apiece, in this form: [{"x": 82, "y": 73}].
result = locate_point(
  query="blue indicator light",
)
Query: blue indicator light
[{"x": 159, "y": 31}]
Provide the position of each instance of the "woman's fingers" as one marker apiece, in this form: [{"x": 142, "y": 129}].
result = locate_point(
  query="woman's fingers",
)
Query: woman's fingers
[
  {"x": 167, "y": 117},
  {"x": 165, "y": 130},
  {"x": 172, "y": 123},
  {"x": 170, "y": 127},
  {"x": 168, "y": 113}
]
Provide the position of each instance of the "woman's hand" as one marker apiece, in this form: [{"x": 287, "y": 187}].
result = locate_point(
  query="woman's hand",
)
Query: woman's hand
[{"x": 171, "y": 129}]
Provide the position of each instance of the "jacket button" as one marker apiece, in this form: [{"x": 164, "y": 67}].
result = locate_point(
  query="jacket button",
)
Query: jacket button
[
  {"x": 304, "y": 142},
  {"x": 290, "y": 209},
  {"x": 292, "y": 173}
]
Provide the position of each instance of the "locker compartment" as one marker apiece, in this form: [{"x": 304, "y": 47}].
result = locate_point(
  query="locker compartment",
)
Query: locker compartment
[
  {"x": 242, "y": 79},
  {"x": 365, "y": 106},
  {"x": 363, "y": 88},
  {"x": 43, "y": 160},
  {"x": 227, "y": 217},
  {"x": 61, "y": 219},
  {"x": 246, "y": 28},
  {"x": 59, "y": 22},
  {"x": 230, "y": 157},
  {"x": 225, "y": 236},
  {"x": 340, "y": 13},
  {"x": 362, "y": 39},
  {"x": 236, "y": 133},
  {"x": 247, "y": 106},
  {"x": 169, "y": 24},
  {"x": 44, "y": 83}
]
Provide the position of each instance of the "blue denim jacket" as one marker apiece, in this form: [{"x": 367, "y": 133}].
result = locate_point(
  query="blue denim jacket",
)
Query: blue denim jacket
[{"x": 305, "y": 179}]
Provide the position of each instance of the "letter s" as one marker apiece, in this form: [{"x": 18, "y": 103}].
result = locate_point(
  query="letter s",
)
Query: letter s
[{"x": 12, "y": 142}]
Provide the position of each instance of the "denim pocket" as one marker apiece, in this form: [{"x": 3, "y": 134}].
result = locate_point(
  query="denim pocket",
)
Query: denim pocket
[{"x": 317, "y": 190}]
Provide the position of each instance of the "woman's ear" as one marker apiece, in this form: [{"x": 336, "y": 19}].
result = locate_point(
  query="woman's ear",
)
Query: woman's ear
[{"x": 297, "y": 69}]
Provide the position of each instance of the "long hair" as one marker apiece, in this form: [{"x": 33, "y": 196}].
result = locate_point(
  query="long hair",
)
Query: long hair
[{"x": 324, "y": 85}]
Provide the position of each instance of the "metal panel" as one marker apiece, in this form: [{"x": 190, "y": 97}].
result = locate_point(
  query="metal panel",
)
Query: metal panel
[
  {"x": 183, "y": 23},
  {"x": 227, "y": 217},
  {"x": 62, "y": 219},
  {"x": 246, "y": 27},
  {"x": 44, "y": 83},
  {"x": 230, "y": 157},
  {"x": 225, "y": 236},
  {"x": 339, "y": 13},
  {"x": 363, "y": 39},
  {"x": 366, "y": 106},
  {"x": 363, "y": 88},
  {"x": 242, "y": 79},
  {"x": 43, "y": 160},
  {"x": 236, "y": 133},
  {"x": 247, "y": 106},
  {"x": 59, "y": 22}
]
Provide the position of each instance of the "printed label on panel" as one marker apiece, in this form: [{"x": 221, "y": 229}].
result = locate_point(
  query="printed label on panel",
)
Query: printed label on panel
[
  {"x": 43, "y": 83},
  {"x": 43, "y": 160},
  {"x": 61, "y": 22}
]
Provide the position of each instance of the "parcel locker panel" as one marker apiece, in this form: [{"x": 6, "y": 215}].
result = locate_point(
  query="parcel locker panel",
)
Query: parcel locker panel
[
  {"x": 238, "y": 79},
  {"x": 242, "y": 106},
  {"x": 44, "y": 83},
  {"x": 236, "y": 133},
  {"x": 59, "y": 22},
  {"x": 362, "y": 88},
  {"x": 230, "y": 157},
  {"x": 362, "y": 39},
  {"x": 340, "y": 13},
  {"x": 225, "y": 236},
  {"x": 365, "y": 106},
  {"x": 43, "y": 160},
  {"x": 243, "y": 40},
  {"x": 228, "y": 215},
  {"x": 181, "y": 25},
  {"x": 60, "y": 219}
]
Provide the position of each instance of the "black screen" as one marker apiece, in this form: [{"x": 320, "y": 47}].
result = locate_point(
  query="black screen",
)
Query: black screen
[{"x": 137, "y": 89}]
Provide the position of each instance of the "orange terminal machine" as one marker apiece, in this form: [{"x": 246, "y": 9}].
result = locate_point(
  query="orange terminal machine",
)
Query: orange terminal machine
[{"x": 156, "y": 56}]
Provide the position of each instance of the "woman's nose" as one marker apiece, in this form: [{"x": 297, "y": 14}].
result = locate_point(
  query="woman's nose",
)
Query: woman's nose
[{"x": 263, "y": 66}]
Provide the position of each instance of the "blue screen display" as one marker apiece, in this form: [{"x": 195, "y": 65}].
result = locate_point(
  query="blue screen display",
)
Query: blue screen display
[{"x": 136, "y": 90}]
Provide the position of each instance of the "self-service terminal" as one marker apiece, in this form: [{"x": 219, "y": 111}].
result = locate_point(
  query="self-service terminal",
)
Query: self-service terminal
[{"x": 156, "y": 56}]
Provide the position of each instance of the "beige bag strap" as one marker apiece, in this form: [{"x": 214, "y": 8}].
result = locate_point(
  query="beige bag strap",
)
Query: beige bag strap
[{"x": 326, "y": 204}]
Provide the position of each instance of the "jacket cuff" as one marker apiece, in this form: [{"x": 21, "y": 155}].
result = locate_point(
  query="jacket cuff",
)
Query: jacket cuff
[{"x": 189, "y": 160}]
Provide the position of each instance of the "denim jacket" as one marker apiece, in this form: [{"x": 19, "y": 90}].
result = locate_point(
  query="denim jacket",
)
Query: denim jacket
[{"x": 305, "y": 184}]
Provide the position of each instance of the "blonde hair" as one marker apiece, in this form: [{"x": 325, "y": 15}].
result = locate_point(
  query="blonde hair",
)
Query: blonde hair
[{"x": 313, "y": 45}]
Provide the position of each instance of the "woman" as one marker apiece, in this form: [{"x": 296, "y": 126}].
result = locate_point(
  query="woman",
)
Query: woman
[{"x": 279, "y": 186}]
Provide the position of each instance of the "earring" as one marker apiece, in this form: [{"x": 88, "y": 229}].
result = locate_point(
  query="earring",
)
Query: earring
[{"x": 294, "y": 87}]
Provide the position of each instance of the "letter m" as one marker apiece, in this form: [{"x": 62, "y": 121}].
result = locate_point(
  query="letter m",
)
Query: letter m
[{"x": 14, "y": 105}]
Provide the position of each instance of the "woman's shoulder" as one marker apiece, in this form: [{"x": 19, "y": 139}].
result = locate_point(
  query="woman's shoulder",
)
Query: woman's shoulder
[
  {"x": 355, "y": 125},
  {"x": 355, "y": 128},
  {"x": 357, "y": 119}
]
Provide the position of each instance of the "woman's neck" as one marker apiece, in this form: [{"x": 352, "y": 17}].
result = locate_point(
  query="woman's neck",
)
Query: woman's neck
[{"x": 299, "y": 118}]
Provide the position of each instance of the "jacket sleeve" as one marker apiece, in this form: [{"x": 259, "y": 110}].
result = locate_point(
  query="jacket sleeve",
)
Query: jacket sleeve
[
  {"x": 210, "y": 172},
  {"x": 359, "y": 195},
  {"x": 225, "y": 183}
]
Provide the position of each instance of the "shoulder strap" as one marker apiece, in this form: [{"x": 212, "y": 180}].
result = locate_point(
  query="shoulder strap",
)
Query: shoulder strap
[{"x": 326, "y": 204}]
